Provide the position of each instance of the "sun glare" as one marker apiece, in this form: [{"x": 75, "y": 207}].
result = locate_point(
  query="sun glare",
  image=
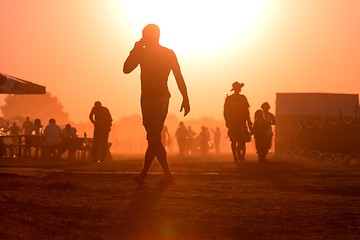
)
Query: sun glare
[{"x": 196, "y": 26}]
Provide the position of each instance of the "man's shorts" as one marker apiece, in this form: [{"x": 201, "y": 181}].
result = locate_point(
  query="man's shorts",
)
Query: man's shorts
[{"x": 154, "y": 112}]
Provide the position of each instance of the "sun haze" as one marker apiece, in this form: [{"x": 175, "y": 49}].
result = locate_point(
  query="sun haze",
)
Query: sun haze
[
  {"x": 196, "y": 27},
  {"x": 77, "y": 49}
]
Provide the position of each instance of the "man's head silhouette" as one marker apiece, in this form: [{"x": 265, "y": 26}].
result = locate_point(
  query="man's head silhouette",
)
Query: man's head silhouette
[
  {"x": 265, "y": 106},
  {"x": 97, "y": 104},
  {"x": 151, "y": 34}
]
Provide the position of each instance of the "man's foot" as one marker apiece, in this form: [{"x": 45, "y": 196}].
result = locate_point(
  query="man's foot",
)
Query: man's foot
[{"x": 139, "y": 180}]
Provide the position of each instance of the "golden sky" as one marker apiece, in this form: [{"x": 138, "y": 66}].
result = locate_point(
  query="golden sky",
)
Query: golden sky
[{"x": 76, "y": 48}]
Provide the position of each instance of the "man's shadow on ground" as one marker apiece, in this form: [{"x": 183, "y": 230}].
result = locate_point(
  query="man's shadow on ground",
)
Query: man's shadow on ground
[{"x": 144, "y": 214}]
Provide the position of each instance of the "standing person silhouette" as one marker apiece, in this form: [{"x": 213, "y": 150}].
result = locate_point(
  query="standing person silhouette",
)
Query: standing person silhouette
[
  {"x": 237, "y": 118},
  {"x": 181, "y": 135},
  {"x": 260, "y": 131},
  {"x": 156, "y": 62},
  {"x": 27, "y": 128},
  {"x": 101, "y": 118},
  {"x": 271, "y": 120},
  {"x": 36, "y": 136},
  {"x": 217, "y": 135}
]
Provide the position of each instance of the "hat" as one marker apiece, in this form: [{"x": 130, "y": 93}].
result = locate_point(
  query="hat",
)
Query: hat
[{"x": 237, "y": 85}]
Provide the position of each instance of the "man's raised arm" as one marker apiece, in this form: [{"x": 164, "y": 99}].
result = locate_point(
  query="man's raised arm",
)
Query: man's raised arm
[{"x": 132, "y": 60}]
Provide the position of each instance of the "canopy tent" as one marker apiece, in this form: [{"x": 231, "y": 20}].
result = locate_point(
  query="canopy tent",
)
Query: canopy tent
[
  {"x": 325, "y": 122},
  {"x": 316, "y": 104},
  {"x": 13, "y": 85}
]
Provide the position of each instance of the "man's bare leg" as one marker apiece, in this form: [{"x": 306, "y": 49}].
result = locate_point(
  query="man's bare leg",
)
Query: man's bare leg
[
  {"x": 155, "y": 149},
  {"x": 162, "y": 158},
  {"x": 149, "y": 158}
]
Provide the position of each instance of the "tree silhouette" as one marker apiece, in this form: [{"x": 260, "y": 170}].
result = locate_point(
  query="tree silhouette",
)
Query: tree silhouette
[{"x": 42, "y": 106}]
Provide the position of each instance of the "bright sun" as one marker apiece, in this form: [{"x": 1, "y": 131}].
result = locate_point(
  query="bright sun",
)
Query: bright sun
[{"x": 196, "y": 26}]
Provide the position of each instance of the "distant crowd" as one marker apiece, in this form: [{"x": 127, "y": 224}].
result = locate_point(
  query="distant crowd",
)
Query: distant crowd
[
  {"x": 189, "y": 143},
  {"x": 49, "y": 142}
]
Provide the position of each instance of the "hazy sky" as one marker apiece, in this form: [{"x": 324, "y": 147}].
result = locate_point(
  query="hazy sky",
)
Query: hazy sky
[{"x": 76, "y": 48}]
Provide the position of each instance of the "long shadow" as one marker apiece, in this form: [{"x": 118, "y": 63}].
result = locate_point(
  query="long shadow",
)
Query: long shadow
[
  {"x": 297, "y": 178},
  {"x": 281, "y": 175},
  {"x": 267, "y": 170},
  {"x": 143, "y": 216}
]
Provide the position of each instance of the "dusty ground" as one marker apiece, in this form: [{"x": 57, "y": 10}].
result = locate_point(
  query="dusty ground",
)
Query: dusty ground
[{"x": 212, "y": 199}]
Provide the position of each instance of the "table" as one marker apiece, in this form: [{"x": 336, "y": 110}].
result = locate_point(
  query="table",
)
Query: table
[{"x": 32, "y": 146}]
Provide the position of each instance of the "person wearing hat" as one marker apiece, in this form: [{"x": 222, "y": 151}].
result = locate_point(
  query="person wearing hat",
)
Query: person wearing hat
[{"x": 237, "y": 119}]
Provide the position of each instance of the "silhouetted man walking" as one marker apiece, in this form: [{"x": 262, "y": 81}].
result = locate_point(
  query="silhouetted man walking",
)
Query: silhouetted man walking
[
  {"x": 156, "y": 62},
  {"x": 101, "y": 118}
]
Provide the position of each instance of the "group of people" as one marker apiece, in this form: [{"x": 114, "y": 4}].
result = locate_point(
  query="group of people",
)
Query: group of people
[
  {"x": 156, "y": 62},
  {"x": 190, "y": 143},
  {"x": 50, "y": 141},
  {"x": 240, "y": 127},
  {"x": 57, "y": 141}
]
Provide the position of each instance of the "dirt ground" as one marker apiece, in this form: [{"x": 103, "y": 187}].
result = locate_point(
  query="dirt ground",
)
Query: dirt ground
[{"x": 211, "y": 199}]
